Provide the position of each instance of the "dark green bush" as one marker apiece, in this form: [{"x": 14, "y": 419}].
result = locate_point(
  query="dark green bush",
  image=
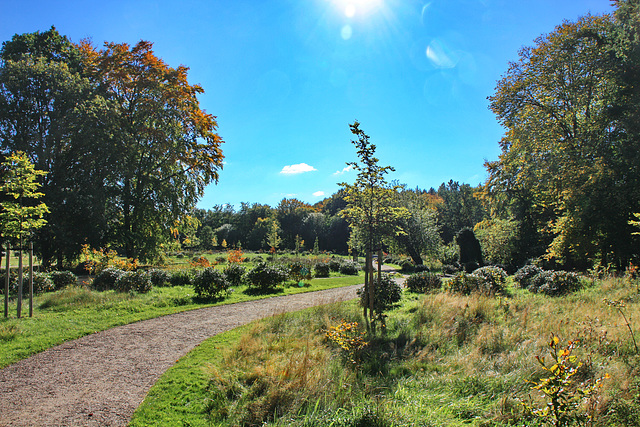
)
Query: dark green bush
[
  {"x": 421, "y": 268},
  {"x": 106, "y": 279},
  {"x": 210, "y": 283},
  {"x": 266, "y": 277},
  {"x": 494, "y": 279},
  {"x": 181, "y": 278},
  {"x": 321, "y": 269},
  {"x": 385, "y": 294},
  {"x": 465, "y": 284},
  {"x": 424, "y": 282},
  {"x": 41, "y": 283},
  {"x": 234, "y": 273},
  {"x": 221, "y": 259},
  {"x": 349, "y": 268},
  {"x": 524, "y": 275},
  {"x": 138, "y": 281},
  {"x": 555, "y": 283},
  {"x": 334, "y": 264},
  {"x": 159, "y": 277},
  {"x": 406, "y": 266},
  {"x": 62, "y": 279}
]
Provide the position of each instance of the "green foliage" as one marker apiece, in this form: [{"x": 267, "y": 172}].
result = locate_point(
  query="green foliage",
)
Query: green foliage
[
  {"x": 41, "y": 283},
  {"x": 134, "y": 281},
  {"x": 566, "y": 169},
  {"x": 334, "y": 264},
  {"x": 159, "y": 277},
  {"x": 321, "y": 269},
  {"x": 106, "y": 279},
  {"x": 349, "y": 268},
  {"x": 499, "y": 239},
  {"x": 488, "y": 282},
  {"x": 387, "y": 292},
  {"x": 494, "y": 278},
  {"x": 265, "y": 278},
  {"x": 565, "y": 399},
  {"x": 62, "y": 279},
  {"x": 525, "y": 274},
  {"x": 19, "y": 216},
  {"x": 235, "y": 273},
  {"x": 424, "y": 282},
  {"x": 555, "y": 283},
  {"x": 299, "y": 271},
  {"x": 181, "y": 278},
  {"x": 210, "y": 283}
]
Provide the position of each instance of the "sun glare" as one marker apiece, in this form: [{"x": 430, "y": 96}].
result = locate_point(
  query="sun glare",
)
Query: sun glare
[{"x": 353, "y": 8}]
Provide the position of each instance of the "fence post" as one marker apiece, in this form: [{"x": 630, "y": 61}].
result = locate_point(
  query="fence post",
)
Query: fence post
[{"x": 30, "y": 279}]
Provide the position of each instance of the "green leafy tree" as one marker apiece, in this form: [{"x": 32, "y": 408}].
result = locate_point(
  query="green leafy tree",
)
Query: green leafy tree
[
  {"x": 52, "y": 113},
  {"x": 568, "y": 170},
  {"x": 417, "y": 230},
  {"x": 371, "y": 210},
  {"x": 168, "y": 149},
  {"x": 459, "y": 208},
  {"x": 21, "y": 214}
]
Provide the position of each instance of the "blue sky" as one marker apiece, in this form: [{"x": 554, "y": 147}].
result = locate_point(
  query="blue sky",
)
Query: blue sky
[{"x": 286, "y": 77}]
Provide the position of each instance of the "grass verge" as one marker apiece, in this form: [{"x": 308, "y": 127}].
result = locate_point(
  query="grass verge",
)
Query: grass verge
[{"x": 75, "y": 312}]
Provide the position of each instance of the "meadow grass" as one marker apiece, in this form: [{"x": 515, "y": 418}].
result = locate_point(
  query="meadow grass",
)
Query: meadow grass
[
  {"x": 443, "y": 360},
  {"x": 77, "y": 311}
]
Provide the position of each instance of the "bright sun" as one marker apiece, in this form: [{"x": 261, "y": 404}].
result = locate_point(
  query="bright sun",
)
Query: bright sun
[{"x": 351, "y": 8}]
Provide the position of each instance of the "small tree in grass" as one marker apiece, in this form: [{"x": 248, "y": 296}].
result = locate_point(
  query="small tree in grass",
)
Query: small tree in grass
[
  {"x": 370, "y": 210},
  {"x": 20, "y": 214}
]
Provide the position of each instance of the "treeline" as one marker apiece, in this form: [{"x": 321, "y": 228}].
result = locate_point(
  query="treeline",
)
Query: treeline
[{"x": 452, "y": 207}]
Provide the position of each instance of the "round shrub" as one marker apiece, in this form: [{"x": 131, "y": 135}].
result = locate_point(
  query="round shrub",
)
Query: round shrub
[
  {"x": 41, "y": 283},
  {"x": 555, "y": 283},
  {"x": 299, "y": 271},
  {"x": 424, "y": 282},
  {"x": 449, "y": 269},
  {"x": 62, "y": 279},
  {"x": 349, "y": 268},
  {"x": 494, "y": 279},
  {"x": 465, "y": 284},
  {"x": 524, "y": 275},
  {"x": 321, "y": 269},
  {"x": 209, "y": 283},
  {"x": 106, "y": 279},
  {"x": 385, "y": 294},
  {"x": 406, "y": 266},
  {"x": 266, "y": 277},
  {"x": 234, "y": 273},
  {"x": 334, "y": 264},
  {"x": 159, "y": 277},
  {"x": 138, "y": 281},
  {"x": 181, "y": 278}
]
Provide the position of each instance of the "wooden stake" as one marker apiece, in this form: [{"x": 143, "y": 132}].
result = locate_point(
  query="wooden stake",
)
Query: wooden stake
[
  {"x": 30, "y": 279},
  {"x": 6, "y": 282}
]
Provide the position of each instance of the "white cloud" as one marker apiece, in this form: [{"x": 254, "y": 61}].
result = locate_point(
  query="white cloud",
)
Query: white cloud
[
  {"x": 346, "y": 169},
  {"x": 295, "y": 169},
  {"x": 319, "y": 193}
]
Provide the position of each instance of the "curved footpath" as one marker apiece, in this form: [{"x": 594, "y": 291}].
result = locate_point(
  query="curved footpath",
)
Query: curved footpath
[{"x": 100, "y": 379}]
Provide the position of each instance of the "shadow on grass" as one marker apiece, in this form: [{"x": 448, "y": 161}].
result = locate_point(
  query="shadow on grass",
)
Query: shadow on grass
[{"x": 262, "y": 292}]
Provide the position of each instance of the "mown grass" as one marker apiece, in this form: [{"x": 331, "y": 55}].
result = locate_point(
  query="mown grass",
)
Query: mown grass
[
  {"x": 444, "y": 360},
  {"x": 77, "y": 311}
]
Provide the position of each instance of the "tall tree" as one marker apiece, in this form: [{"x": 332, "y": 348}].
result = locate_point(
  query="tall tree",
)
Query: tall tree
[
  {"x": 457, "y": 208},
  {"x": 417, "y": 232},
  {"x": 168, "y": 148},
  {"x": 569, "y": 173},
  {"x": 49, "y": 111}
]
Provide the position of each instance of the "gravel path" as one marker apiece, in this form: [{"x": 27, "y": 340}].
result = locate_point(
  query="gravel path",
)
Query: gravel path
[{"x": 100, "y": 379}]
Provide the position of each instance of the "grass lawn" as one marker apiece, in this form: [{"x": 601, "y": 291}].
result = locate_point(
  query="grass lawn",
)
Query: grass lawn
[
  {"x": 74, "y": 312},
  {"x": 443, "y": 360}
]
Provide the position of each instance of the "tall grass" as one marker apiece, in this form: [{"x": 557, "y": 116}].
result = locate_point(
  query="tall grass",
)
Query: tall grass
[{"x": 443, "y": 360}]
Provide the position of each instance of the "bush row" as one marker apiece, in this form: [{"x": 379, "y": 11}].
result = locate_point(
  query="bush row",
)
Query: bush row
[
  {"x": 551, "y": 283},
  {"x": 42, "y": 282}
]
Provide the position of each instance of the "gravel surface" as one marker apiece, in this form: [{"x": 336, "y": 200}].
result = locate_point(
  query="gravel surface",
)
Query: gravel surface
[{"x": 100, "y": 379}]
